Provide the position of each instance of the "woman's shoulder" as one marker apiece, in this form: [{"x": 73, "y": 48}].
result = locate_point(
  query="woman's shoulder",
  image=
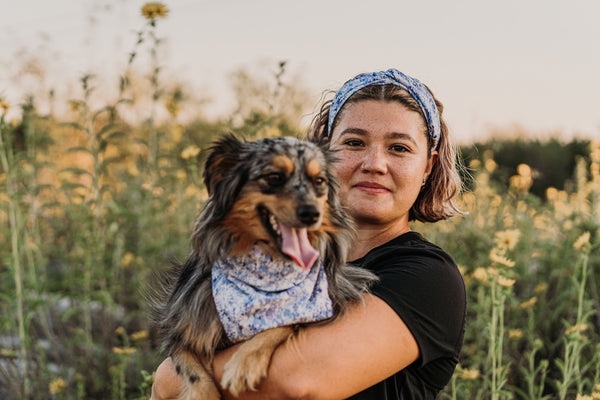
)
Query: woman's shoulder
[
  {"x": 408, "y": 249},
  {"x": 410, "y": 265}
]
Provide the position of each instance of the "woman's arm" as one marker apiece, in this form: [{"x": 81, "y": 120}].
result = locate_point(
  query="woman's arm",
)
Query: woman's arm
[
  {"x": 167, "y": 384},
  {"x": 333, "y": 361}
]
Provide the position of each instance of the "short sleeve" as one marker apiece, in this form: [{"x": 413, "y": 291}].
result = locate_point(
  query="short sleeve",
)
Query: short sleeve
[{"x": 425, "y": 288}]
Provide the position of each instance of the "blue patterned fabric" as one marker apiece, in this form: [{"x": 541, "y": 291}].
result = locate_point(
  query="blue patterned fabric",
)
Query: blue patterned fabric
[
  {"x": 392, "y": 76},
  {"x": 254, "y": 292}
]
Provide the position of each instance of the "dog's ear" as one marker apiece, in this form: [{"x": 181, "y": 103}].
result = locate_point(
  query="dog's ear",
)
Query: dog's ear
[
  {"x": 223, "y": 157},
  {"x": 225, "y": 173}
]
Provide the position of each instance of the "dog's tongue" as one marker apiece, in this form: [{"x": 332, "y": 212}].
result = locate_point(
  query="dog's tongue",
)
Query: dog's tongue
[{"x": 296, "y": 245}]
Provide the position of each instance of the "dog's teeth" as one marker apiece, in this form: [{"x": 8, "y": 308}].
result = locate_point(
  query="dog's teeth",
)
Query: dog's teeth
[{"x": 273, "y": 221}]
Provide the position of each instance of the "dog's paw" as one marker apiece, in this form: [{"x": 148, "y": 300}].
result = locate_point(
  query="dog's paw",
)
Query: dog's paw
[{"x": 244, "y": 370}]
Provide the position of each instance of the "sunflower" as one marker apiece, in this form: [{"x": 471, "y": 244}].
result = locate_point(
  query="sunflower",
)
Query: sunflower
[{"x": 154, "y": 10}]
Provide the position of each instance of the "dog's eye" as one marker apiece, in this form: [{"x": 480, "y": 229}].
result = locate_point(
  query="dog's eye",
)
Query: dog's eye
[
  {"x": 275, "y": 178},
  {"x": 318, "y": 181}
]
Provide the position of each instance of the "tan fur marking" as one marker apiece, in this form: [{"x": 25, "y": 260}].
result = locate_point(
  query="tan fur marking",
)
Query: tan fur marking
[
  {"x": 283, "y": 163},
  {"x": 326, "y": 225},
  {"x": 313, "y": 168}
]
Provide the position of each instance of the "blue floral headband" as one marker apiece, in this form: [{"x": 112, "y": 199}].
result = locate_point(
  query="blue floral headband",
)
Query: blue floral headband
[{"x": 392, "y": 76}]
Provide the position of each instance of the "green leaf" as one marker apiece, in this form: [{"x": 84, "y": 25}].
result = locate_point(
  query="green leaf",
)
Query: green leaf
[
  {"x": 106, "y": 128},
  {"x": 108, "y": 109},
  {"x": 107, "y": 161},
  {"x": 74, "y": 125},
  {"x": 115, "y": 135},
  {"x": 72, "y": 185},
  {"x": 80, "y": 149},
  {"x": 77, "y": 171}
]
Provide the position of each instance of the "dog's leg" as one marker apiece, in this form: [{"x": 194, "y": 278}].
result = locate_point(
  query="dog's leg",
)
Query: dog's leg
[
  {"x": 249, "y": 364},
  {"x": 198, "y": 382}
]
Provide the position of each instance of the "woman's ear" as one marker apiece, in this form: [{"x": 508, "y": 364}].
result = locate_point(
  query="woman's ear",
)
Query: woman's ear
[{"x": 431, "y": 162}]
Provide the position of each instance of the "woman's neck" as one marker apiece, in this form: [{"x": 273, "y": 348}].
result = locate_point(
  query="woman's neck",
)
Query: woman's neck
[{"x": 368, "y": 237}]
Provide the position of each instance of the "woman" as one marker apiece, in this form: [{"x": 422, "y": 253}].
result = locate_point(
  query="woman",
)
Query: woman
[{"x": 395, "y": 165}]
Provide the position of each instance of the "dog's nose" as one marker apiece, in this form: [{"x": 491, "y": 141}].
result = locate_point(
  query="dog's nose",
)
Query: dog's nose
[{"x": 308, "y": 214}]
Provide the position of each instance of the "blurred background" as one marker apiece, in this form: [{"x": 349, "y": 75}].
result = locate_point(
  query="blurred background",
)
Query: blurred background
[
  {"x": 107, "y": 108},
  {"x": 496, "y": 65}
]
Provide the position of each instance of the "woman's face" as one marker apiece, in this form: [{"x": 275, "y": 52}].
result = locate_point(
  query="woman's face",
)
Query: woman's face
[{"x": 382, "y": 152}]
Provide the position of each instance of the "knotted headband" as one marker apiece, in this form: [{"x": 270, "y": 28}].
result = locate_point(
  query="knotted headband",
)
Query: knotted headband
[{"x": 392, "y": 76}]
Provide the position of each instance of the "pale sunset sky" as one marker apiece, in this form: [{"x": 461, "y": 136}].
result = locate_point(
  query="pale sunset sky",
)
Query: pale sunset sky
[{"x": 494, "y": 64}]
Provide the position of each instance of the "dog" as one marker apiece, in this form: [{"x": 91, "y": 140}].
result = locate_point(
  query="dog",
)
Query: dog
[{"x": 272, "y": 200}]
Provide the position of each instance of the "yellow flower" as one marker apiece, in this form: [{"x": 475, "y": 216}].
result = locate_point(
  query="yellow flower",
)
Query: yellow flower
[
  {"x": 496, "y": 201},
  {"x": 154, "y": 10},
  {"x": 74, "y": 105},
  {"x": 582, "y": 241},
  {"x": 490, "y": 165},
  {"x": 140, "y": 335},
  {"x": 528, "y": 303},
  {"x": 504, "y": 281},
  {"x": 474, "y": 164},
  {"x": 468, "y": 198},
  {"x": 507, "y": 239},
  {"x": 4, "y": 106},
  {"x": 500, "y": 259},
  {"x": 524, "y": 170},
  {"x": 469, "y": 374},
  {"x": 176, "y": 132},
  {"x": 172, "y": 106},
  {"x": 181, "y": 174},
  {"x": 127, "y": 259},
  {"x": 515, "y": 334},
  {"x": 190, "y": 151},
  {"x": 480, "y": 274},
  {"x": 132, "y": 169},
  {"x": 576, "y": 328},
  {"x": 192, "y": 191},
  {"x": 552, "y": 193},
  {"x": 541, "y": 288},
  {"x": 520, "y": 183},
  {"x": 57, "y": 385},
  {"x": 120, "y": 331},
  {"x": 124, "y": 350}
]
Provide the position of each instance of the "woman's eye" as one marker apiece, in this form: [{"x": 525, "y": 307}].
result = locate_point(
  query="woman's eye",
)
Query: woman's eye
[
  {"x": 398, "y": 148},
  {"x": 353, "y": 143}
]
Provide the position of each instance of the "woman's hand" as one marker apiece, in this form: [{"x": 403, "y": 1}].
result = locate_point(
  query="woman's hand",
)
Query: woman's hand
[{"x": 167, "y": 384}]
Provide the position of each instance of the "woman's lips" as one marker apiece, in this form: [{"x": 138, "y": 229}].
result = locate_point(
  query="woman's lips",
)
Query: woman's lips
[{"x": 371, "y": 187}]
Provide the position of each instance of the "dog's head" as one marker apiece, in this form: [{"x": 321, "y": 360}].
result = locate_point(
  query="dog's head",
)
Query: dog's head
[{"x": 277, "y": 193}]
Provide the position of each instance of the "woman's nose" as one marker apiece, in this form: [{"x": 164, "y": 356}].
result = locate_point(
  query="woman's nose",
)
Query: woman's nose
[{"x": 374, "y": 161}]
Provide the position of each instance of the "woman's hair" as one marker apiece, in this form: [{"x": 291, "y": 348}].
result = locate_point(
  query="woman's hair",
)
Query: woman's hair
[{"x": 436, "y": 201}]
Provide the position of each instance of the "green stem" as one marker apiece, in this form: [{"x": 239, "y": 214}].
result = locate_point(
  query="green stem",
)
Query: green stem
[{"x": 15, "y": 250}]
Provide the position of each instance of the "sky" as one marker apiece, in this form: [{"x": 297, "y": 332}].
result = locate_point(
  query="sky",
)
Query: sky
[{"x": 496, "y": 65}]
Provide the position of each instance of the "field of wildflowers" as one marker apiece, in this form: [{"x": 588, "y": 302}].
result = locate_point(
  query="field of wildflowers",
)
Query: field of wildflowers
[{"x": 92, "y": 205}]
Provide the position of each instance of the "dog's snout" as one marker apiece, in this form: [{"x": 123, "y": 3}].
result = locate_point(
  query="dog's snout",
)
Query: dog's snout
[{"x": 308, "y": 214}]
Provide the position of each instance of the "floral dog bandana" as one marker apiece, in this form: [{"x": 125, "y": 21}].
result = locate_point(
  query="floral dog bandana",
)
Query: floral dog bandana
[
  {"x": 253, "y": 293},
  {"x": 392, "y": 76}
]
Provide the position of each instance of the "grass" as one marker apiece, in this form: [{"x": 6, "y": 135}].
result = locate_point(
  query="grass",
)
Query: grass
[{"x": 92, "y": 205}]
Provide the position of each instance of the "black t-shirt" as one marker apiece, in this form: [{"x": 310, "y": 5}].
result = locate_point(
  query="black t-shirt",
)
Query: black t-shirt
[{"x": 421, "y": 282}]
